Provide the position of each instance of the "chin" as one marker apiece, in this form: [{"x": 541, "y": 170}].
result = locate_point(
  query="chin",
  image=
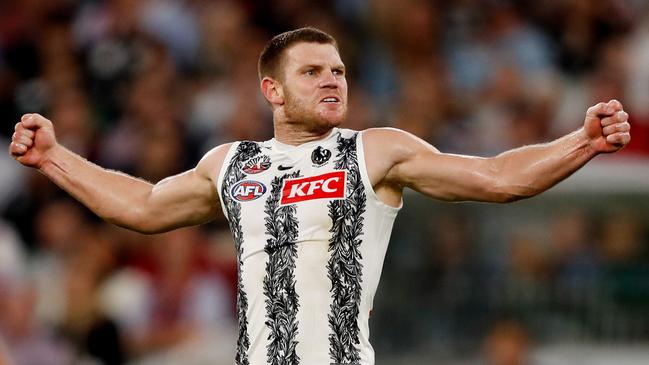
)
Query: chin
[
  {"x": 332, "y": 119},
  {"x": 326, "y": 124}
]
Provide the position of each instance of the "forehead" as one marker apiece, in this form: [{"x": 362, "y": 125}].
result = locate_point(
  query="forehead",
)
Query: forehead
[{"x": 312, "y": 54}]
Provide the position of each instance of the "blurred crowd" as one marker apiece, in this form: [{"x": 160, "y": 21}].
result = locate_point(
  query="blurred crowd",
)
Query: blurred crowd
[
  {"x": 563, "y": 268},
  {"x": 148, "y": 86}
]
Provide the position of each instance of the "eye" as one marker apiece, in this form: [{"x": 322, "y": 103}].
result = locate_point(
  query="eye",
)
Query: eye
[{"x": 309, "y": 72}]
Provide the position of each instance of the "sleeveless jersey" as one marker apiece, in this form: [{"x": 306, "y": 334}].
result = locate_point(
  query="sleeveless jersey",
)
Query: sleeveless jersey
[{"x": 311, "y": 236}]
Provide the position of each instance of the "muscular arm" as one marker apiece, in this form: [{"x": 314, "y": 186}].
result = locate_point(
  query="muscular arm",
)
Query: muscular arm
[
  {"x": 188, "y": 198},
  {"x": 512, "y": 175},
  {"x": 185, "y": 199}
]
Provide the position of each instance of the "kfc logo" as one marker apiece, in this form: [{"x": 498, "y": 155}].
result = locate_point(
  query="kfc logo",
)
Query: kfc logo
[
  {"x": 325, "y": 186},
  {"x": 247, "y": 190}
]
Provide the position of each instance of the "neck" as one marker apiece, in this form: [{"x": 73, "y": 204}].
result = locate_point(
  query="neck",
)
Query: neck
[{"x": 295, "y": 134}]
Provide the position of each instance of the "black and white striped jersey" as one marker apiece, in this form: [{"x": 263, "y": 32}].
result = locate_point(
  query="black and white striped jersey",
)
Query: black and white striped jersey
[{"x": 311, "y": 236}]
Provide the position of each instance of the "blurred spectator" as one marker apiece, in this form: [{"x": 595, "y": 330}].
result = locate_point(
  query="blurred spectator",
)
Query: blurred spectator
[
  {"x": 71, "y": 112},
  {"x": 28, "y": 340},
  {"x": 507, "y": 343},
  {"x": 174, "y": 24},
  {"x": 621, "y": 239},
  {"x": 13, "y": 260},
  {"x": 94, "y": 334},
  {"x": 58, "y": 227},
  {"x": 576, "y": 266},
  {"x": 579, "y": 29},
  {"x": 623, "y": 250},
  {"x": 177, "y": 300},
  {"x": 4, "y": 354}
]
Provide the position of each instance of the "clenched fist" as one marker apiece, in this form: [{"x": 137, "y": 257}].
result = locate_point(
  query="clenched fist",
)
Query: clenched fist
[
  {"x": 33, "y": 139},
  {"x": 607, "y": 127}
]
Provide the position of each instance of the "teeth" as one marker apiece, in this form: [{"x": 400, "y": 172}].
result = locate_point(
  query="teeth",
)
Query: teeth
[{"x": 330, "y": 100}]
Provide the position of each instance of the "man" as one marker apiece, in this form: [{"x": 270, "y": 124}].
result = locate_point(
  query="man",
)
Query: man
[{"x": 312, "y": 209}]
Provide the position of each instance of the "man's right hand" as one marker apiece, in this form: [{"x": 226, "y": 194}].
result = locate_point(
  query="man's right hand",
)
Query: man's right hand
[
  {"x": 33, "y": 139},
  {"x": 186, "y": 199}
]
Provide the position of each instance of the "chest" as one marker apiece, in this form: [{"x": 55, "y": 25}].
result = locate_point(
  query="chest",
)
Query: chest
[{"x": 289, "y": 196}]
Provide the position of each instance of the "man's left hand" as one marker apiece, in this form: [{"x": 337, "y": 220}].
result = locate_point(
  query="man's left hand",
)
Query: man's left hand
[{"x": 607, "y": 127}]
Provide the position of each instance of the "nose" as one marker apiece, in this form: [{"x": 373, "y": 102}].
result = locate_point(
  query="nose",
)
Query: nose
[{"x": 329, "y": 80}]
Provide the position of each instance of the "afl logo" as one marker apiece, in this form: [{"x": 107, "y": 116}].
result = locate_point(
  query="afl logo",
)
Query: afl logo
[{"x": 247, "y": 190}]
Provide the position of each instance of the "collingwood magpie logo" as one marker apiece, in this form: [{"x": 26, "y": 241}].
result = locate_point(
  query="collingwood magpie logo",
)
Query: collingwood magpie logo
[{"x": 320, "y": 156}]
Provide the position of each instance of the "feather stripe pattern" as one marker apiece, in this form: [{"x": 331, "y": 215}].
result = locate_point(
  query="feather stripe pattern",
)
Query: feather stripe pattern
[
  {"x": 344, "y": 268},
  {"x": 279, "y": 283},
  {"x": 234, "y": 173}
]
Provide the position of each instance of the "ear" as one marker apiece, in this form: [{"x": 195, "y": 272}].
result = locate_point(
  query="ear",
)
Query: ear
[{"x": 272, "y": 91}]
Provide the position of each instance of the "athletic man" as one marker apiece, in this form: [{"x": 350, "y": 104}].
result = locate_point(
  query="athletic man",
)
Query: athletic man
[{"x": 311, "y": 210}]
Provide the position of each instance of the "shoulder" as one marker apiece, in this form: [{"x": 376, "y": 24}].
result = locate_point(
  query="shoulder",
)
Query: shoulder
[
  {"x": 393, "y": 143},
  {"x": 211, "y": 163},
  {"x": 389, "y": 134},
  {"x": 381, "y": 134}
]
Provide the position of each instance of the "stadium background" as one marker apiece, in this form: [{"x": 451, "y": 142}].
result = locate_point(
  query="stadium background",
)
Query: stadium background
[{"x": 148, "y": 86}]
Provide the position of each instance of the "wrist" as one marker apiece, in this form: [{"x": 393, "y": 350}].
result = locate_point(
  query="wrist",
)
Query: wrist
[
  {"x": 585, "y": 142},
  {"x": 51, "y": 157}
]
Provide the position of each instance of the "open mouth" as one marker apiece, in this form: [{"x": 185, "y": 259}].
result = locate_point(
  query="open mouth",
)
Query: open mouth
[{"x": 330, "y": 100}]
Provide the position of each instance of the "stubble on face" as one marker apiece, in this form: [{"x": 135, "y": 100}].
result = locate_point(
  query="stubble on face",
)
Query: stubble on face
[{"x": 299, "y": 112}]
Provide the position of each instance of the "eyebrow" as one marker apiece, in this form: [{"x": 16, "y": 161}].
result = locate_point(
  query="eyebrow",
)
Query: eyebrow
[{"x": 319, "y": 67}]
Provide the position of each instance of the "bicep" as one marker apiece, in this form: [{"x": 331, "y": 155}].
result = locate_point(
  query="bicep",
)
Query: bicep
[
  {"x": 448, "y": 177},
  {"x": 443, "y": 176},
  {"x": 188, "y": 198},
  {"x": 185, "y": 199}
]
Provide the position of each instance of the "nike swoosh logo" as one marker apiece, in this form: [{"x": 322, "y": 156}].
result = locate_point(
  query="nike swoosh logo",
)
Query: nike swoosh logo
[{"x": 282, "y": 167}]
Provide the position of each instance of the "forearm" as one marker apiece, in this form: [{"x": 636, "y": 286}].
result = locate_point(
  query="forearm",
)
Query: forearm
[
  {"x": 113, "y": 196},
  {"x": 520, "y": 173},
  {"x": 530, "y": 170}
]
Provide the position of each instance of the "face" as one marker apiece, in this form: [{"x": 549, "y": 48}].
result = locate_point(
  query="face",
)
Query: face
[{"x": 314, "y": 85}]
